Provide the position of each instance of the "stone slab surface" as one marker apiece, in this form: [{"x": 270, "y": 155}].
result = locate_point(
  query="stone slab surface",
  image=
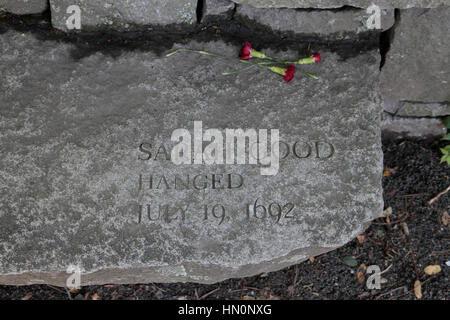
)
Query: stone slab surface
[
  {"x": 214, "y": 9},
  {"x": 23, "y": 6},
  {"x": 322, "y": 4},
  {"x": 75, "y": 179},
  {"x": 418, "y": 128},
  {"x": 317, "y": 22},
  {"x": 123, "y": 15},
  {"x": 418, "y": 109},
  {"x": 415, "y": 79}
]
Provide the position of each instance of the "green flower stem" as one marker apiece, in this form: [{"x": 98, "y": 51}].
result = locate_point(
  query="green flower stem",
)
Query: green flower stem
[
  {"x": 283, "y": 61},
  {"x": 262, "y": 64},
  {"x": 310, "y": 75},
  {"x": 292, "y": 62},
  {"x": 258, "y": 64},
  {"x": 209, "y": 54},
  {"x": 237, "y": 71}
]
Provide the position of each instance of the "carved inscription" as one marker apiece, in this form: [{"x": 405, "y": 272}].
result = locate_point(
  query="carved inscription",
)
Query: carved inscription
[
  {"x": 219, "y": 213},
  {"x": 190, "y": 181},
  {"x": 297, "y": 150}
]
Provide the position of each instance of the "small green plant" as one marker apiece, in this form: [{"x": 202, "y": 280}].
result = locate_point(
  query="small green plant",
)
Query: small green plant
[{"x": 446, "y": 150}]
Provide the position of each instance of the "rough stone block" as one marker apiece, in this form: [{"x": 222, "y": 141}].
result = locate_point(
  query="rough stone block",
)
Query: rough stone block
[
  {"x": 418, "y": 128},
  {"x": 124, "y": 15},
  {"x": 418, "y": 109},
  {"x": 325, "y": 4},
  {"x": 87, "y": 177},
  {"x": 217, "y": 9},
  {"x": 23, "y": 6},
  {"x": 415, "y": 80},
  {"x": 322, "y": 23}
]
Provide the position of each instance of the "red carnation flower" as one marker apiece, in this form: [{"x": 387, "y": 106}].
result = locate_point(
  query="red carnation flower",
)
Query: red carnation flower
[
  {"x": 316, "y": 57},
  {"x": 246, "y": 52},
  {"x": 289, "y": 73},
  {"x": 312, "y": 59}
]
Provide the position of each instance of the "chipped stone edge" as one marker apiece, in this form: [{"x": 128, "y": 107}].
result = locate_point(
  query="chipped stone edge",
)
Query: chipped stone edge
[
  {"x": 400, "y": 127},
  {"x": 186, "y": 272},
  {"x": 320, "y": 6}
]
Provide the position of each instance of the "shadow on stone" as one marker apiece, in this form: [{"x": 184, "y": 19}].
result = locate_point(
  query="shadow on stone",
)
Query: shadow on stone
[{"x": 159, "y": 39}]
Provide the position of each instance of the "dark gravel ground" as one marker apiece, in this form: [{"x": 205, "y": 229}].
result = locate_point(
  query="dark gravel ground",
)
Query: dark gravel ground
[{"x": 413, "y": 175}]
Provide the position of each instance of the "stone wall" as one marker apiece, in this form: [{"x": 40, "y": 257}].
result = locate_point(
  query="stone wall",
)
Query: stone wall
[
  {"x": 89, "y": 115},
  {"x": 24, "y": 6},
  {"x": 416, "y": 69},
  {"x": 416, "y": 76},
  {"x": 326, "y": 4}
]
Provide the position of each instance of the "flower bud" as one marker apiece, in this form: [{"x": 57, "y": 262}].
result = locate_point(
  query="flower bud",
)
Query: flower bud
[
  {"x": 247, "y": 52},
  {"x": 312, "y": 59},
  {"x": 287, "y": 73}
]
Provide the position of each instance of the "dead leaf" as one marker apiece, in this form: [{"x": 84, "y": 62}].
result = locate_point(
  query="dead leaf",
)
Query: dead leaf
[
  {"x": 364, "y": 294},
  {"x": 388, "y": 171},
  {"x": 266, "y": 294},
  {"x": 360, "y": 238},
  {"x": 95, "y": 297},
  {"x": 360, "y": 273},
  {"x": 27, "y": 296},
  {"x": 360, "y": 276},
  {"x": 388, "y": 220},
  {"x": 73, "y": 290},
  {"x": 248, "y": 298},
  {"x": 405, "y": 228},
  {"x": 445, "y": 218},
  {"x": 387, "y": 212},
  {"x": 433, "y": 269},
  {"x": 312, "y": 259},
  {"x": 418, "y": 289}
]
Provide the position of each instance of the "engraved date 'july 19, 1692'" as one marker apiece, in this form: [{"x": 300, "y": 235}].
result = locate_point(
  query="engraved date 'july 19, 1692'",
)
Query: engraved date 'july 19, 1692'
[{"x": 216, "y": 213}]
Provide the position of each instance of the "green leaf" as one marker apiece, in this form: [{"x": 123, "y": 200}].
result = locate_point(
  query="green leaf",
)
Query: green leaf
[
  {"x": 350, "y": 261},
  {"x": 444, "y": 151},
  {"x": 312, "y": 75},
  {"x": 447, "y": 137},
  {"x": 447, "y": 122},
  {"x": 446, "y": 158}
]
